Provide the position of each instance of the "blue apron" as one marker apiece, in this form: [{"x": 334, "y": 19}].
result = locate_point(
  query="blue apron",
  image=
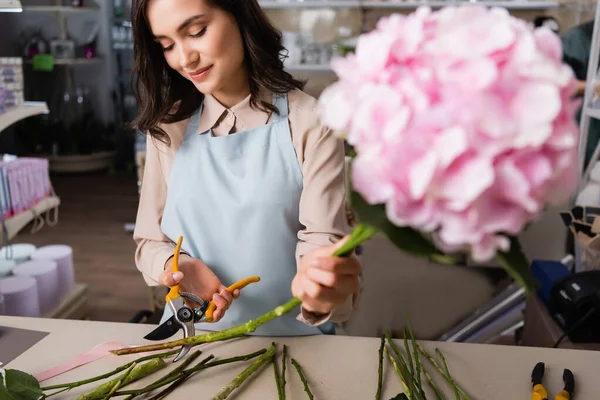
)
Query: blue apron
[{"x": 235, "y": 199}]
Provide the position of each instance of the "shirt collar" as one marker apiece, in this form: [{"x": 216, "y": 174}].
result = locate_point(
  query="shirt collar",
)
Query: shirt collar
[{"x": 245, "y": 116}]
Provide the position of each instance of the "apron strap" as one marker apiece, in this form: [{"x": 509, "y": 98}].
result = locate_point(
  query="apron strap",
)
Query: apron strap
[
  {"x": 193, "y": 123},
  {"x": 281, "y": 102}
]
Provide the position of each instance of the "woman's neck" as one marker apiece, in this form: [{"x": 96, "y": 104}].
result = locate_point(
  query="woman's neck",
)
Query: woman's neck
[{"x": 235, "y": 91}]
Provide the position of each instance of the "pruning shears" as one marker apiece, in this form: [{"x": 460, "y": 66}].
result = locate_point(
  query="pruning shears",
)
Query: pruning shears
[
  {"x": 183, "y": 316},
  {"x": 539, "y": 391}
]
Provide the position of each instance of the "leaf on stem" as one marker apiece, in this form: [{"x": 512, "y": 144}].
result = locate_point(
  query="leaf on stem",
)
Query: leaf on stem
[
  {"x": 404, "y": 238},
  {"x": 515, "y": 263},
  {"x": 4, "y": 393},
  {"x": 22, "y": 386}
]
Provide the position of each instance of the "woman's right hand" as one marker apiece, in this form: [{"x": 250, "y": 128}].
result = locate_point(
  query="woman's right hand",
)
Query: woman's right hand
[{"x": 195, "y": 277}]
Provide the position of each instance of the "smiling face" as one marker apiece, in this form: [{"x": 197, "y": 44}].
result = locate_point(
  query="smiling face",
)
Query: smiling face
[{"x": 203, "y": 43}]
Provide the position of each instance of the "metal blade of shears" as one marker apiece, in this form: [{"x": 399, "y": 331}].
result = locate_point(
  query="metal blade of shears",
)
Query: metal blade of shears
[
  {"x": 164, "y": 330},
  {"x": 172, "y": 325}
]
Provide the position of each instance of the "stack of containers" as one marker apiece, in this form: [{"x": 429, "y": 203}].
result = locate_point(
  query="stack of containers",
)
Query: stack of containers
[
  {"x": 62, "y": 256},
  {"x": 20, "y": 295},
  {"x": 34, "y": 280},
  {"x": 23, "y": 183},
  {"x": 45, "y": 272},
  {"x": 11, "y": 83}
]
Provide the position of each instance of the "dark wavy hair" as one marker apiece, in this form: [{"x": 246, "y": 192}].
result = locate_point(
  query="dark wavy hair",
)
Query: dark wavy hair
[{"x": 164, "y": 96}]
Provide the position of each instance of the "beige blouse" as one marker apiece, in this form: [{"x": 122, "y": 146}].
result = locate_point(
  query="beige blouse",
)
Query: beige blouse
[{"x": 322, "y": 203}]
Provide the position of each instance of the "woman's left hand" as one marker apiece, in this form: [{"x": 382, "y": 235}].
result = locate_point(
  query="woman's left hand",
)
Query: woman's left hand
[{"x": 323, "y": 281}]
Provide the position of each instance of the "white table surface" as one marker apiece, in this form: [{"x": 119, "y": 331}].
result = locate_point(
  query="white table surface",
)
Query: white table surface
[{"x": 337, "y": 367}]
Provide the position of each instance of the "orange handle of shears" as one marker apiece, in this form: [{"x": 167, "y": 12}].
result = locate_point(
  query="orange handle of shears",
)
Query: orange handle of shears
[
  {"x": 174, "y": 292},
  {"x": 238, "y": 285}
]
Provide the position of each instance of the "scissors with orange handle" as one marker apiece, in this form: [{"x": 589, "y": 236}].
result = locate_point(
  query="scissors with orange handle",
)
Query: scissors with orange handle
[{"x": 183, "y": 316}]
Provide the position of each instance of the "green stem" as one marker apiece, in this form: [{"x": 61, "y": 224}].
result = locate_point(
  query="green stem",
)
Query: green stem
[
  {"x": 435, "y": 388},
  {"x": 303, "y": 379},
  {"x": 395, "y": 365},
  {"x": 140, "y": 360},
  {"x": 159, "y": 383},
  {"x": 409, "y": 356},
  {"x": 283, "y": 365},
  {"x": 239, "y": 380},
  {"x": 138, "y": 372},
  {"x": 190, "y": 359},
  {"x": 204, "y": 364},
  {"x": 230, "y": 360},
  {"x": 170, "y": 388},
  {"x": 57, "y": 392},
  {"x": 226, "y": 334},
  {"x": 360, "y": 234},
  {"x": 277, "y": 377},
  {"x": 119, "y": 382},
  {"x": 415, "y": 390},
  {"x": 176, "y": 371},
  {"x": 441, "y": 371},
  {"x": 447, "y": 370},
  {"x": 380, "y": 369},
  {"x": 417, "y": 360}
]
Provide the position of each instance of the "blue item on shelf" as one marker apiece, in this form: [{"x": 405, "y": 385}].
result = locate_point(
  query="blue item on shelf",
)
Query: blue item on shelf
[{"x": 548, "y": 272}]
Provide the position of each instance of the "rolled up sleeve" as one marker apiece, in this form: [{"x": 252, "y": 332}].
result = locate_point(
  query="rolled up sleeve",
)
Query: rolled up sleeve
[
  {"x": 153, "y": 247},
  {"x": 323, "y": 200}
]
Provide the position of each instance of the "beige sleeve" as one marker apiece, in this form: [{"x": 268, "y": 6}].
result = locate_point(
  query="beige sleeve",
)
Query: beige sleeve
[
  {"x": 153, "y": 247},
  {"x": 322, "y": 205}
]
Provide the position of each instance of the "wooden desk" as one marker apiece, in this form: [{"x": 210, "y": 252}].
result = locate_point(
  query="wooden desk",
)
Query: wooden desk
[{"x": 337, "y": 367}]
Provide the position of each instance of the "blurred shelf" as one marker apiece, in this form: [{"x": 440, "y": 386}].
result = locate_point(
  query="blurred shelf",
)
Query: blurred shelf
[
  {"x": 60, "y": 9},
  {"x": 78, "y": 163},
  {"x": 15, "y": 114},
  {"x": 123, "y": 47},
  {"x": 71, "y": 61},
  {"x": 399, "y": 5},
  {"x": 10, "y": 6},
  {"x": 272, "y": 4},
  {"x": 515, "y": 5},
  {"x": 16, "y": 223},
  {"x": 309, "y": 68}
]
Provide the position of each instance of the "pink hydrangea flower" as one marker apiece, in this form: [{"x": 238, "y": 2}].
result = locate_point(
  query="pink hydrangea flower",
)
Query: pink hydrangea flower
[{"x": 463, "y": 123}]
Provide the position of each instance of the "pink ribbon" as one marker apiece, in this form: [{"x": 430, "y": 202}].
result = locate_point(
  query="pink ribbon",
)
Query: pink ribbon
[{"x": 96, "y": 353}]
